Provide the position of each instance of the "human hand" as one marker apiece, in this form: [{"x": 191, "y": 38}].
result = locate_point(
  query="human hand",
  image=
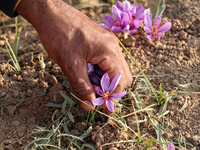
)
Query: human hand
[{"x": 72, "y": 39}]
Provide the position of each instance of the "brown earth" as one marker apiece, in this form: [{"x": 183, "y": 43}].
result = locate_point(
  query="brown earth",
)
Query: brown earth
[{"x": 174, "y": 60}]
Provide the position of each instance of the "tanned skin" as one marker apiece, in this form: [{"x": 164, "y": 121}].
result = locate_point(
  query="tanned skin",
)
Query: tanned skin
[{"x": 71, "y": 39}]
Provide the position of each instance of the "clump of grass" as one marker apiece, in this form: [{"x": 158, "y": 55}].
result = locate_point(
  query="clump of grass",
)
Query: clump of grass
[
  {"x": 13, "y": 52},
  {"x": 17, "y": 37},
  {"x": 16, "y": 67}
]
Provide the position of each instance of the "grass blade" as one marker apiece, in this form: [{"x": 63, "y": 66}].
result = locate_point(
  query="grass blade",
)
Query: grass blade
[
  {"x": 185, "y": 104},
  {"x": 155, "y": 14}
]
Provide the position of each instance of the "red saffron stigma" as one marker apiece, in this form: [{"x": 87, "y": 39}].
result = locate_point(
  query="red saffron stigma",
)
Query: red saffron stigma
[
  {"x": 137, "y": 32},
  {"x": 95, "y": 89}
]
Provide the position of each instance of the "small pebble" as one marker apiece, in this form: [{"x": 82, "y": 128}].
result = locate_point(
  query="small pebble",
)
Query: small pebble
[
  {"x": 187, "y": 135},
  {"x": 176, "y": 133}
]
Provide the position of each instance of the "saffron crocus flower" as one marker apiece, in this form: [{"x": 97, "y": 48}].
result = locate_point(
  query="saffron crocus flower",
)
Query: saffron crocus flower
[
  {"x": 171, "y": 147},
  {"x": 105, "y": 94},
  {"x": 95, "y": 73},
  {"x": 135, "y": 13},
  {"x": 120, "y": 24},
  {"x": 155, "y": 30}
]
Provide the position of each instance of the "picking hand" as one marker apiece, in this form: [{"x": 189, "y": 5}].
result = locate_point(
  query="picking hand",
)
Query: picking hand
[{"x": 72, "y": 39}]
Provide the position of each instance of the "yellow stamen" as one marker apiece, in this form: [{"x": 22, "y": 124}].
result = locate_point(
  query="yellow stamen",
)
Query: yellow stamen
[
  {"x": 106, "y": 94},
  {"x": 106, "y": 98},
  {"x": 155, "y": 29}
]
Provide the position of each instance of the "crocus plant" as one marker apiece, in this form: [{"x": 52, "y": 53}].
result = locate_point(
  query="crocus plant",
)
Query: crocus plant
[
  {"x": 105, "y": 94},
  {"x": 171, "y": 147},
  {"x": 128, "y": 18},
  {"x": 155, "y": 30}
]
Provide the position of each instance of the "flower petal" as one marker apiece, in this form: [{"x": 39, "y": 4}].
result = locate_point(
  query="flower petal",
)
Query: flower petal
[
  {"x": 134, "y": 5},
  {"x": 126, "y": 18},
  {"x": 148, "y": 22},
  {"x": 159, "y": 35},
  {"x": 127, "y": 5},
  {"x": 146, "y": 11},
  {"x": 157, "y": 21},
  {"x": 95, "y": 79},
  {"x": 126, "y": 28},
  {"x": 98, "y": 90},
  {"x": 105, "y": 82},
  {"x": 98, "y": 70},
  {"x": 98, "y": 101},
  {"x": 116, "y": 29},
  {"x": 119, "y": 5},
  {"x": 137, "y": 23},
  {"x": 147, "y": 30},
  {"x": 116, "y": 12},
  {"x": 150, "y": 37},
  {"x": 165, "y": 27},
  {"x": 104, "y": 26},
  {"x": 115, "y": 82},
  {"x": 139, "y": 11},
  {"x": 110, "y": 105},
  {"x": 132, "y": 31},
  {"x": 109, "y": 20},
  {"x": 90, "y": 68},
  {"x": 171, "y": 147},
  {"x": 118, "y": 95}
]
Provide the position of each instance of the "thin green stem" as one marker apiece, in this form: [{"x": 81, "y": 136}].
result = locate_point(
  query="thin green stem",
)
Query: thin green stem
[
  {"x": 16, "y": 36},
  {"x": 13, "y": 56},
  {"x": 152, "y": 88}
]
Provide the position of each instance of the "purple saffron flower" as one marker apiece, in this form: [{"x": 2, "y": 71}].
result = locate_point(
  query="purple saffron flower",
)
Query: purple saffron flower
[
  {"x": 95, "y": 73},
  {"x": 155, "y": 30},
  {"x": 120, "y": 24},
  {"x": 170, "y": 147},
  {"x": 106, "y": 92},
  {"x": 135, "y": 13}
]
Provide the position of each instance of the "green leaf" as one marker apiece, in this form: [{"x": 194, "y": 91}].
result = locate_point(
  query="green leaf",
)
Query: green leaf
[
  {"x": 185, "y": 104},
  {"x": 70, "y": 115},
  {"x": 69, "y": 100},
  {"x": 54, "y": 113},
  {"x": 49, "y": 104},
  {"x": 64, "y": 104},
  {"x": 69, "y": 135},
  {"x": 84, "y": 135},
  {"x": 185, "y": 86},
  {"x": 67, "y": 85},
  {"x": 140, "y": 121},
  {"x": 155, "y": 14},
  {"x": 89, "y": 146}
]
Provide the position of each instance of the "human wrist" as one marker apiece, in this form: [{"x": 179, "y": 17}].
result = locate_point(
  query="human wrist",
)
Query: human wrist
[{"x": 35, "y": 11}]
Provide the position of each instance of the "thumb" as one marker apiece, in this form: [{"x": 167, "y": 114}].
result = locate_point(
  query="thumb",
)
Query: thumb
[{"x": 76, "y": 72}]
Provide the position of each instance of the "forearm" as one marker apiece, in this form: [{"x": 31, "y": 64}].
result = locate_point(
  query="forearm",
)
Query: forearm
[
  {"x": 40, "y": 12},
  {"x": 51, "y": 17}
]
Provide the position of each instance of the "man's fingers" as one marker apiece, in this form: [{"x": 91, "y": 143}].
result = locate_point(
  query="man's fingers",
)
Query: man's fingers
[
  {"x": 112, "y": 63},
  {"x": 76, "y": 72}
]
